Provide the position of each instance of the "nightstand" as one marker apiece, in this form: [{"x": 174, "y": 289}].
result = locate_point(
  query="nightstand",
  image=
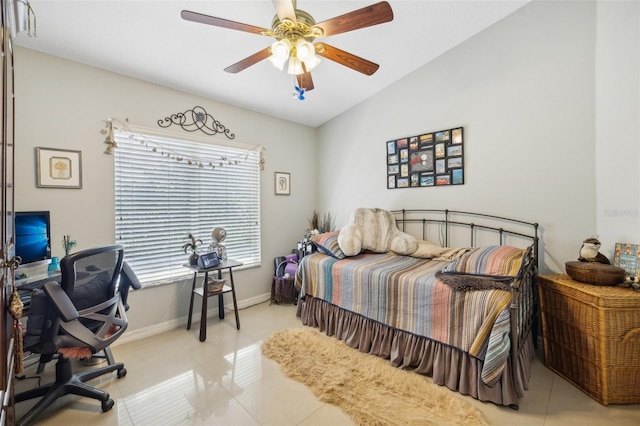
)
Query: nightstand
[
  {"x": 591, "y": 337},
  {"x": 204, "y": 294}
]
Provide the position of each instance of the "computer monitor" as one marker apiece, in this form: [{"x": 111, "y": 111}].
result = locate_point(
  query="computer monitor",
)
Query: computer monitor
[{"x": 32, "y": 237}]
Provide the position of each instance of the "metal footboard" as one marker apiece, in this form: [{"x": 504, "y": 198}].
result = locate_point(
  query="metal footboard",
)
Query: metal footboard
[{"x": 454, "y": 228}]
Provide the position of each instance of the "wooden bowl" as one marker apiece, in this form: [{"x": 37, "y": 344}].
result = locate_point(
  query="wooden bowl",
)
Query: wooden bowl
[{"x": 594, "y": 273}]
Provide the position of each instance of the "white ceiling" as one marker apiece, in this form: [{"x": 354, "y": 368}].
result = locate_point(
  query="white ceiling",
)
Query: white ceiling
[{"x": 149, "y": 40}]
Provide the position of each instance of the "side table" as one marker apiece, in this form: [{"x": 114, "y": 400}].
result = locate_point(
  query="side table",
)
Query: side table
[
  {"x": 202, "y": 292},
  {"x": 591, "y": 337}
]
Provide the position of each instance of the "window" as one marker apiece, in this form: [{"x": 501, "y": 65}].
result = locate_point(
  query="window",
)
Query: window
[{"x": 167, "y": 188}]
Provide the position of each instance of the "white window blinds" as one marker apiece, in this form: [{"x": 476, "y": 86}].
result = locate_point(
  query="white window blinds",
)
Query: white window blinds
[{"x": 160, "y": 198}]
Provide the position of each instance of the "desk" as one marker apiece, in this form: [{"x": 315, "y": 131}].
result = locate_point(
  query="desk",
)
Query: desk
[
  {"x": 25, "y": 286},
  {"x": 202, "y": 292}
]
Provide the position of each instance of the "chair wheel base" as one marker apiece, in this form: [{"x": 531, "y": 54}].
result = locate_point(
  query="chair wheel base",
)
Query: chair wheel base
[
  {"x": 121, "y": 373},
  {"x": 107, "y": 405}
]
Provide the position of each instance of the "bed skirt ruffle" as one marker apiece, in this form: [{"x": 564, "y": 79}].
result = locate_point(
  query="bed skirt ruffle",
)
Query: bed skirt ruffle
[{"x": 447, "y": 365}]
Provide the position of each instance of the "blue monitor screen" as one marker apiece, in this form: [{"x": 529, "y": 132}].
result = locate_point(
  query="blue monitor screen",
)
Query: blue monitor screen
[{"x": 32, "y": 236}]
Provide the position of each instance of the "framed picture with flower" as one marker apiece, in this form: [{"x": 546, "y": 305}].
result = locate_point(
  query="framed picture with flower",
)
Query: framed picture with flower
[{"x": 58, "y": 168}]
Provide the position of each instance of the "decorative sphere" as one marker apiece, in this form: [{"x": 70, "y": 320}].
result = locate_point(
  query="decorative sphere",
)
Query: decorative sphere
[{"x": 218, "y": 235}]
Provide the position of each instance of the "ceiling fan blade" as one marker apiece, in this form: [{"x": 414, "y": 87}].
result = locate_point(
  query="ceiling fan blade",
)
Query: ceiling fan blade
[
  {"x": 375, "y": 14},
  {"x": 248, "y": 61},
  {"x": 187, "y": 15},
  {"x": 347, "y": 59},
  {"x": 285, "y": 9},
  {"x": 305, "y": 81}
]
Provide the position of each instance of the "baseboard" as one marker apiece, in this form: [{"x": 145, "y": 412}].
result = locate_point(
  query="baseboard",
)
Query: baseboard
[{"x": 131, "y": 336}]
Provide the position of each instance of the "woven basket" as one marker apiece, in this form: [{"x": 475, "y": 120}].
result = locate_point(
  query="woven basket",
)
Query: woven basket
[
  {"x": 594, "y": 273},
  {"x": 591, "y": 337},
  {"x": 284, "y": 290}
]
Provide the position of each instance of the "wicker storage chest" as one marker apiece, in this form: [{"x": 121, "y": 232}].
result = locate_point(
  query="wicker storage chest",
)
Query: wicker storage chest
[{"x": 591, "y": 337}]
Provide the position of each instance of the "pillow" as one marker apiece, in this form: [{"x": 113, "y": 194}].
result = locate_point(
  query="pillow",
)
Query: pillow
[
  {"x": 429, "y": 250},
  {"x": 327, "y": 243},
  {"x": 374, "y": 230},
  {"x": 503, "y": 261}
]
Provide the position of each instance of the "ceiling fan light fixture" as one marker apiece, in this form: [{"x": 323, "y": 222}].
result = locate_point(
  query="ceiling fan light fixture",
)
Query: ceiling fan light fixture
[
  {"x": 311, "y": 63},
  {"x": 304, "y": 50},
  {"x": 277, "y": 62},
  {"x": 295, "y": 66},
  {"x": 281, "y": 49}
]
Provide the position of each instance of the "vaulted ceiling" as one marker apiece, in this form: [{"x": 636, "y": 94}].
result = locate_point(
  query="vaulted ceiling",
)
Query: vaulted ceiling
[{"x": 150, "y": 41}]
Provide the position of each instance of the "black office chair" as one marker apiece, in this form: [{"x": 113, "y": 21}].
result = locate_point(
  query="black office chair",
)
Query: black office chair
[
  {"x": 79, "y": 317},
  {"x": 128, "y": 280}
]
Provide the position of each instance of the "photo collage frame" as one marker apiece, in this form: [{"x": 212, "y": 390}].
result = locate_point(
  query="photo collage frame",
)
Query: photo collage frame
[{"x": 430, "y": 159}]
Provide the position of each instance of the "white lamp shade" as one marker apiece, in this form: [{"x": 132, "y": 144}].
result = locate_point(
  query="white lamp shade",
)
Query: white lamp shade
[
  {"x": 277, "y": 62},
  {"x": 311, "y": 63},
  {"x": 295, "y": 66},
  {"x": 280, "y": 49},
  {"x": 304, "y": 50}
]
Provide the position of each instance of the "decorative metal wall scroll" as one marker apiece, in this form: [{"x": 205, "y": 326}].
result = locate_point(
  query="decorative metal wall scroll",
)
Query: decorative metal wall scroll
[
  {"x": 196, "y": 119},
  {"x": 431, "y": 159}
]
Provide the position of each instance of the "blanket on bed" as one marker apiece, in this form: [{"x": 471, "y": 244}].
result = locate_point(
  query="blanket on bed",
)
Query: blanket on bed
[{"x": 403, "y": 292}]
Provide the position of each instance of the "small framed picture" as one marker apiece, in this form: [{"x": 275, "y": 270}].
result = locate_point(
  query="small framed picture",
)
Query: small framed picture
[
  {"x": 58, "y": 168},
  {"x": 457, "y": 177},
  {"x": 426, "y": 180},
  {"x": 426, "y": 140},
  {"x": 454, "y": 162},
  {"x": 391, "y": 147},
  {"x": 627, "y": 257},
  {"x": 283, "y": 183},
  {"x": 413, "y": 143},
  {"x": 456, "y": 135},
  {"x": 443, "y": 180},
  {"x": 391, "y": 181}
]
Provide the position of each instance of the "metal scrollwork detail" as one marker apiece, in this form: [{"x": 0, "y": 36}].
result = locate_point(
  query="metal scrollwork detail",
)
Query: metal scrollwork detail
[{"x": 196, "y": 119}]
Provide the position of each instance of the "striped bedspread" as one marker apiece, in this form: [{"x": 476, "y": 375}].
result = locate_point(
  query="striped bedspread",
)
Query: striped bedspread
[{"x": 402, "y": 292}]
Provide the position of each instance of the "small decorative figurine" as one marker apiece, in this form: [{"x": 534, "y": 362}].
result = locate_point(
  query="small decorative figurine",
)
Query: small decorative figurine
[
  {"x": 218, "y": 235},
  {"x": 193, "y": 247},
  {"x": 589, "y": 252}
]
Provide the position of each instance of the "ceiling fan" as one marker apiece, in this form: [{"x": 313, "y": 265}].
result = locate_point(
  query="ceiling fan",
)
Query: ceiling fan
[{"x": 295, "y": 32}]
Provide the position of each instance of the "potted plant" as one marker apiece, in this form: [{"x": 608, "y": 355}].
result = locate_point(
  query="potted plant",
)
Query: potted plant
[{"x": 192, "y": 246}]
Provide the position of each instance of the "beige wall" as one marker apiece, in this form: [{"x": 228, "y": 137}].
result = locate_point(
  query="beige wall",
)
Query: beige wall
[{"x": 618, "y": 122}]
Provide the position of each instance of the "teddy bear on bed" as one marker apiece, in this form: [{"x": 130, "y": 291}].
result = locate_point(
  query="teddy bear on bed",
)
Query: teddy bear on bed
[{"x": 374, "y": 230}]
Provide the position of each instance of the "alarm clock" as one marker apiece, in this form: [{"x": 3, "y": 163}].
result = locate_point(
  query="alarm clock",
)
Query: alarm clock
[{"x": 208, "y": 260}]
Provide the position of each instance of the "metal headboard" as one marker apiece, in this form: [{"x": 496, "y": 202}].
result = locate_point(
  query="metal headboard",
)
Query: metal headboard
[{"x": 474, "y": 225}]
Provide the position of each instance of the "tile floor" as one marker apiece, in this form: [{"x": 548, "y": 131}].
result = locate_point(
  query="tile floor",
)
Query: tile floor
[{"x": 174, "y": 379}]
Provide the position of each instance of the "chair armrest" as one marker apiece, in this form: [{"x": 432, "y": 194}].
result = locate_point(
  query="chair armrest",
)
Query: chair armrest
[
  {"x": 61, "y": 301},
  {"x": 129, "y": 278}
]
